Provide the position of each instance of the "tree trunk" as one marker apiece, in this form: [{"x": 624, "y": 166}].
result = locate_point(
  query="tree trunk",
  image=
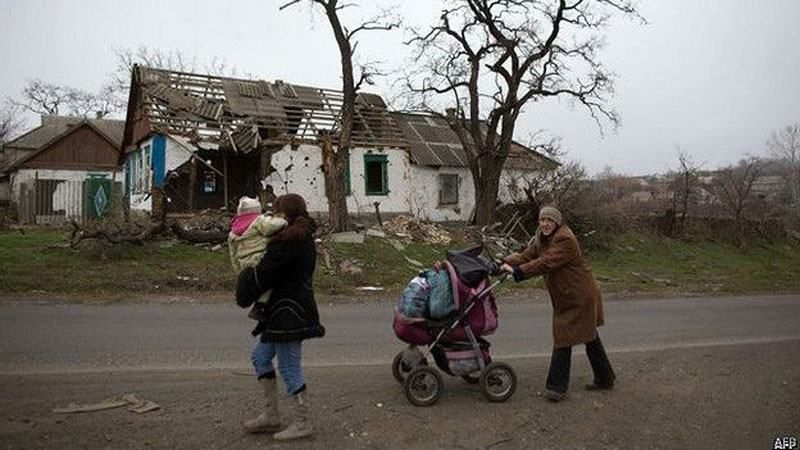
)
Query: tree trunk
[
  {"x": 333, "y": 170},
  {"x": 486, "y": 188}
]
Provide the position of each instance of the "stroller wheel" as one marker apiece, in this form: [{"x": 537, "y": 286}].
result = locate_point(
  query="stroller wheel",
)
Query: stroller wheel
[
  {"x": 498, "y": 382},
  {"x": 423, "y": 386},
  {"x": 471, "y": 378},
  {"x": 404, "y": 362}
]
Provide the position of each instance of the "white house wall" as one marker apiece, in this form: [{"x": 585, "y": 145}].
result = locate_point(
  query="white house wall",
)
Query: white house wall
[
  {"x": 300, "y": 171},
  {"x": 175, "y": 155},
  {"x": 423, "y": 199},
  {"x": 413, "y": 189}
]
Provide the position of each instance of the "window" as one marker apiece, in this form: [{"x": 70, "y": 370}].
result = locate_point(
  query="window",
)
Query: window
[
  {"x": 132, "y": 170},
  {"x": 209, "y": 182},
  {"x": 141, "y": 170},
  {"x": 448, "y": 189},
  {"x": 145, "y": 172},
  {"x": 137, "y": 170},
  {"x": 147, "y": 168},
  {"x": 375, "y": 175}
]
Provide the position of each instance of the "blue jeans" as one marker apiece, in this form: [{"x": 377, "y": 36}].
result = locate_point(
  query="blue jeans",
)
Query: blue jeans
[{"x": 289, "y": 357}]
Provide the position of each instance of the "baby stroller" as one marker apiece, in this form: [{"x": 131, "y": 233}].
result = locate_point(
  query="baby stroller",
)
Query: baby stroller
[{"x": 455, "y": 342}]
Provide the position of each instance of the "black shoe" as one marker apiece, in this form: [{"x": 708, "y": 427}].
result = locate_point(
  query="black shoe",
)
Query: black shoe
[
  {"x": 554, "y": 396},
  {"x": 599, "y": 387}
]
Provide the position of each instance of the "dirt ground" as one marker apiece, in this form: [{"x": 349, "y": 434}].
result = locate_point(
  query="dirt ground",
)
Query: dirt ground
[{"x": 741, "y": 396}]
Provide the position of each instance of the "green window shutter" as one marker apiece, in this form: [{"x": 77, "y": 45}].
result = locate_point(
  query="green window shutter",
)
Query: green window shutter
[{"x": 385, "y": 177}]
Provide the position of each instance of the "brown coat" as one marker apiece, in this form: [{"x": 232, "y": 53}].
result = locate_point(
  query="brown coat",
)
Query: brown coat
[{"x": 574, "y": 292}]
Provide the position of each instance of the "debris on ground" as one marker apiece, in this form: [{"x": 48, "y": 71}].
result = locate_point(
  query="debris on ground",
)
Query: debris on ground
[
  {"x": 396, "y": 244},
  {"x": 414, "y": 262},
  {"x": 347, "y": 237},
  {"x": 369, "y": 288},
  {"x": 499, "y": 243},
  {"x": 350, "y": 268},
  {"x": 411, "y": 228},
  {"x": 375, "y": 232},
  {"x": 133, "y": 403}
]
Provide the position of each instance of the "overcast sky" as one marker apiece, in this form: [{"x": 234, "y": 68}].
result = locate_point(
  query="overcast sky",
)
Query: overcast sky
[{"x": 714, "y": 77}]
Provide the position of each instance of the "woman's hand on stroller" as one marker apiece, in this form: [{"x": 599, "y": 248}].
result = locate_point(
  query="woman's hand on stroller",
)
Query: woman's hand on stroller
[{"x": 512, "y": 271}]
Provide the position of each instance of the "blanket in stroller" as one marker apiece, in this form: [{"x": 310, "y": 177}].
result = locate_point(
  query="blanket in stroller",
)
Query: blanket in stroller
[{"x": 428, "y": 295}]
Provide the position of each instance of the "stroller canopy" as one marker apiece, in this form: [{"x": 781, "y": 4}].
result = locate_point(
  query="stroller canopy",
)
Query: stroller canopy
[{"x": 471, "y": 265}]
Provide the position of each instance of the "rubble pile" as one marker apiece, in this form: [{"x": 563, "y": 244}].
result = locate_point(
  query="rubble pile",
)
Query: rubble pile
[
  {"x": 497, "y": 244},
  {"x": 408, "y": 227},
  {"x": 207, "y": 220},
  {"x": 6, "y": 221}
]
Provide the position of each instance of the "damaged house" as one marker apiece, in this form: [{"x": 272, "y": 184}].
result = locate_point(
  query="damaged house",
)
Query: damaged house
[{"x": 206, "y": 141}]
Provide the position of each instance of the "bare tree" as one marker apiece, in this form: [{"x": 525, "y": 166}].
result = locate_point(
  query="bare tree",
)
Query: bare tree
[
  {"x": 494, "y": 57},
  {"x": 685, "y": 184},
  {"x": 45, "y": 98},
  {"x": 785, "y": 145},
  {"x": 10, "y": 121},
  {"x": 41, "y": 97},
  {"x": 118, "y": 86},
  {"x": 566, "y": 187},
  {"x": 734, "y": 185},
  {"x": 127, "y": 57},
  {"x": 335, "y": 157}
]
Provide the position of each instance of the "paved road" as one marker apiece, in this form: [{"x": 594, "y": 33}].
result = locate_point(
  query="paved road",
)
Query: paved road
[{"x": 41, "y": 338}]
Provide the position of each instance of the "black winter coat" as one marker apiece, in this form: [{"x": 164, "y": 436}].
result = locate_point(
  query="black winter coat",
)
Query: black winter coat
[{"x": 291, "y": 312}]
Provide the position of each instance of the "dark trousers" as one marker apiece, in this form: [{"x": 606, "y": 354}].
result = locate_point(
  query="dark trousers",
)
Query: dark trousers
[{"x": 560, "y": 362}]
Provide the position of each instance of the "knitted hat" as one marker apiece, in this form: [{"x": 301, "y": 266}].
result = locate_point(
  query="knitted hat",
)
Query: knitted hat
[
  {"x": 549, "y": 212},
  {"x": 248, "y": 205}
]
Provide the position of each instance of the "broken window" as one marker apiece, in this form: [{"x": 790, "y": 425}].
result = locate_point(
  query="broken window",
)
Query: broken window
[
  {"x": 375, "y": 174},
  {"x": 209, "y": 182},
  {"x": 448, "y": 189}
]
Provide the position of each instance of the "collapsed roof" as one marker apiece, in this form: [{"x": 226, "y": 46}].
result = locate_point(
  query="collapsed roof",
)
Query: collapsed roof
[
  {"x": 240, "y": 114},
  {"x": 431, "y": 142}
]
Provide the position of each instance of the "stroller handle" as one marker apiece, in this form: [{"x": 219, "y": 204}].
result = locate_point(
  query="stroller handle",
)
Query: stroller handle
[{"x": 501, "y": 278}]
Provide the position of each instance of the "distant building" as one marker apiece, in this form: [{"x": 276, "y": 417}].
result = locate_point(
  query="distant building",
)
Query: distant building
[{"x": 44, "y": 172}]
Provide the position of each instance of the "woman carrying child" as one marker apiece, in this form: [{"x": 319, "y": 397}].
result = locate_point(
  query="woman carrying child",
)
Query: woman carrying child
[{"x": 288, "y": 317}]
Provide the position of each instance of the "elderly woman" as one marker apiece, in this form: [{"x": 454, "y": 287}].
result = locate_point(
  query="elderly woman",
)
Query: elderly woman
[
  {"x": 575, "y": 296},
  {"x": 288, "y": 317}
]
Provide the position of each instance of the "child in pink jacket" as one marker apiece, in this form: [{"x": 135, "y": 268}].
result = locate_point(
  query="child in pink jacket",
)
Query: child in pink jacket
[{"x": 250, "y": 233}]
